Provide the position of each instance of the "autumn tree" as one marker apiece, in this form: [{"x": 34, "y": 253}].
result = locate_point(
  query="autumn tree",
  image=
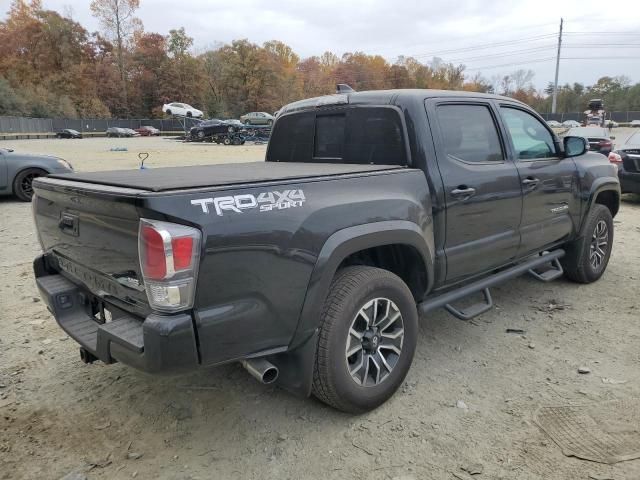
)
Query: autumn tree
[{"x": 119, "y": 24}]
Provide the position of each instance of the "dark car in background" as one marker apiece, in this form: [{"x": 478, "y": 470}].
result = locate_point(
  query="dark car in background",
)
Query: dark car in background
[
  {"x": 148, "y": 131},
  {"x": 598, "y": 138},
  {"x": 120, "y": 132},
  {"x": 18, "y": 170},
  {"x": 209, "y": 128},
  {"x": 68, "y": 133},
  {"x": 117, "y": 132},
  {"x": 627, "y": 158}
]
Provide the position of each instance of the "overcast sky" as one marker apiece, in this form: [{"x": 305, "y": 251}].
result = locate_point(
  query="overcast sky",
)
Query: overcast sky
[{"x": 520, "y": 34}]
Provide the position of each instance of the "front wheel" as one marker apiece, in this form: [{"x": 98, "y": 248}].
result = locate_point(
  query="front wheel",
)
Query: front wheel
[
  {"x": 588, "y": 256},
  {"x": 367, "y": 338},
  {"x": 23, "y": 183}
]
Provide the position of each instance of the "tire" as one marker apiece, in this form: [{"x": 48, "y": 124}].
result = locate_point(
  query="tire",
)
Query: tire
[
  {"x": 587, "y": 257},
  {"x": 227, "y": 141},
  {"x": 200, "y": 134},
  {"x": 247, "y": 122},
  {"x": 354, "y": 293},
  {"x": 189, "y": 114},
  {"x": 22, "y": 183},
  {"x": 168, "y": 112}
]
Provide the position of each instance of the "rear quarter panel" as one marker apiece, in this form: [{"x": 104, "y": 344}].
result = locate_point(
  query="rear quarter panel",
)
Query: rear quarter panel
[{"x": 256, "y": 266}]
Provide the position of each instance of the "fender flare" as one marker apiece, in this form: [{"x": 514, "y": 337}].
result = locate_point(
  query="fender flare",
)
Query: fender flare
[
  {"x": 296, "y": 364},
  {"x": 601, "y": 185}
]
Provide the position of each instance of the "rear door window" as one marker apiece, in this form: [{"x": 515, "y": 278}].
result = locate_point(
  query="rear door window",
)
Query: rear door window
[{"x": 469, "y": 133}]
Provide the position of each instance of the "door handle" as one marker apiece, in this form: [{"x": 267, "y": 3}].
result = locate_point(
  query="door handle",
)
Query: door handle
[
  {"x": 530, "y": 182},
  {"x": 463, "y": 191}
]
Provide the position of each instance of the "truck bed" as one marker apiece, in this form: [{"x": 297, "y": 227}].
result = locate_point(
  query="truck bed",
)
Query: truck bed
[{"x": 199, "y": 176}]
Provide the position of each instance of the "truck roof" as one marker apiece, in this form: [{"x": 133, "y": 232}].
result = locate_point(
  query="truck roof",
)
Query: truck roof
[{"x": 385, "y": 97}]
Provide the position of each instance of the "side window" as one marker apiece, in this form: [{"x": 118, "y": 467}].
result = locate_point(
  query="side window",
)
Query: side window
[
  {"x": 469, "y": 133},
  {"x": 530, "y": 137},
  {"x": 330, "y": 130}
]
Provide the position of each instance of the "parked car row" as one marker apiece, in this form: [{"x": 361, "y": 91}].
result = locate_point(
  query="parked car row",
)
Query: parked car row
[{"x": 574, "y": 123}]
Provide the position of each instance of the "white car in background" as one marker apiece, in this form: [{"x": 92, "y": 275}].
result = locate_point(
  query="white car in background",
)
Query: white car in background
[
  {"x": 635, "y": 123},
  {"x": 571, "y": 124},
  {"x": 181, "y": 109},
  {"x": 554, "y": 123}
]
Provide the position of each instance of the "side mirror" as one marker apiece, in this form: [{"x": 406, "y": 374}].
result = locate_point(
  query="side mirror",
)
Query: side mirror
[{"x": 575, "y": 146}]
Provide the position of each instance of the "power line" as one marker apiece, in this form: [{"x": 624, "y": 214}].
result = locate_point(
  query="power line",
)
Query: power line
[
  {"x": 488, "y": 67},
  {"x": 464, "y": 37},
  {"x": 603, "y": 33},
  {"x": 502, "y": 54},
  {"x": 484, "y": 46}
]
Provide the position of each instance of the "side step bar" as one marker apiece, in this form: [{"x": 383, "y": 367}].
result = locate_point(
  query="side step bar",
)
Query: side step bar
[{"x": 446, "y": 299}]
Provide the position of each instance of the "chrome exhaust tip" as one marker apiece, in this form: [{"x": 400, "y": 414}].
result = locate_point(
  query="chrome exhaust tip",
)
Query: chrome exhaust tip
[{"x": 261, "y": 369}]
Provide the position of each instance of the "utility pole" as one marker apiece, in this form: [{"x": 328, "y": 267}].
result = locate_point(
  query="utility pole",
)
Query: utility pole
[{"x": 555, "y": 84}]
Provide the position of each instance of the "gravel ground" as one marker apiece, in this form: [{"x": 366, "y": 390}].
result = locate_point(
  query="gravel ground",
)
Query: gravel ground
[{"x": 468, "y": 399}]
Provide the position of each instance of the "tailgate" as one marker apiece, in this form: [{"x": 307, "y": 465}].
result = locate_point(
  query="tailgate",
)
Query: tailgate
[{"x": 92, "y": 238}]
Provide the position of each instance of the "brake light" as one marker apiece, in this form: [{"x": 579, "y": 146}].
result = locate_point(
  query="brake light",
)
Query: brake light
[
  {"x": 615, "y": 157},
  {"x": 169, "y": 255}
]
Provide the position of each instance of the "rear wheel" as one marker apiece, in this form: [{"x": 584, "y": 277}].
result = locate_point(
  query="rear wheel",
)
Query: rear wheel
[
  {"x": 23, "y": 183},
  {"x": 189, "y": 114},
  {"x": 588, "y": 256},
  {"x": 366, "y": 341},
  {"x": 168, "y": 112},
  {"x": 200, "y": 134},
  {"x": 227, "y": 141}
]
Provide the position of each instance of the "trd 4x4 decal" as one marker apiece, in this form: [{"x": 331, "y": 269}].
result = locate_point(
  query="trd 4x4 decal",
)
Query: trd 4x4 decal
[{"x": 265, "y": 201}]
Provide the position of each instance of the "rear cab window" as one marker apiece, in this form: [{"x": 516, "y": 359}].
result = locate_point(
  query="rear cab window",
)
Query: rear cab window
[{"x": 356, "y": 135}]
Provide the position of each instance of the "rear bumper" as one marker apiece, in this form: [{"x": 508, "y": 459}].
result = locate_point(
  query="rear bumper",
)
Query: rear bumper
[
  {"x": 155, "y": 344},
  {"x": 629, "y": 181}
]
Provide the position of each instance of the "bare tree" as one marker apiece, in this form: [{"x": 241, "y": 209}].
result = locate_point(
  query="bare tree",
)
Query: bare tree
[
  {"x": 119, "y": 24},
  {"x": 522, "y": 78}
]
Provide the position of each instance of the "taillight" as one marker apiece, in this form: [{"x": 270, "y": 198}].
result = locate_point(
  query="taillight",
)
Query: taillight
[
  {"x": 615, "y": 157},
  {"x": 169, "y": 255}
]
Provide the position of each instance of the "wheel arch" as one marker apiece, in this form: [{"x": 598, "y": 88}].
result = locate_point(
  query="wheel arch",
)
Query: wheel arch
[
  {"x": 22, "y": 168},
  {"x": 360, "y": 245},
  {"x": 345, "y": 246},
  {"x": 605, "y": 192}
]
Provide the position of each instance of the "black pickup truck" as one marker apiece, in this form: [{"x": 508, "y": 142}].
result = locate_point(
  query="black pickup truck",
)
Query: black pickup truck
[{"x": 311, "y": 268}]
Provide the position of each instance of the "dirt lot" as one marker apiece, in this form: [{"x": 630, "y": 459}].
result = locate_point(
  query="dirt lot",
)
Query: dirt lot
[{"x": 59, "y": 416}]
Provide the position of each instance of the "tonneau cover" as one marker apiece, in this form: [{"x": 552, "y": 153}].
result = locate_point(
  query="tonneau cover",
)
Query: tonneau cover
[{"x": 198, "y": 176}]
